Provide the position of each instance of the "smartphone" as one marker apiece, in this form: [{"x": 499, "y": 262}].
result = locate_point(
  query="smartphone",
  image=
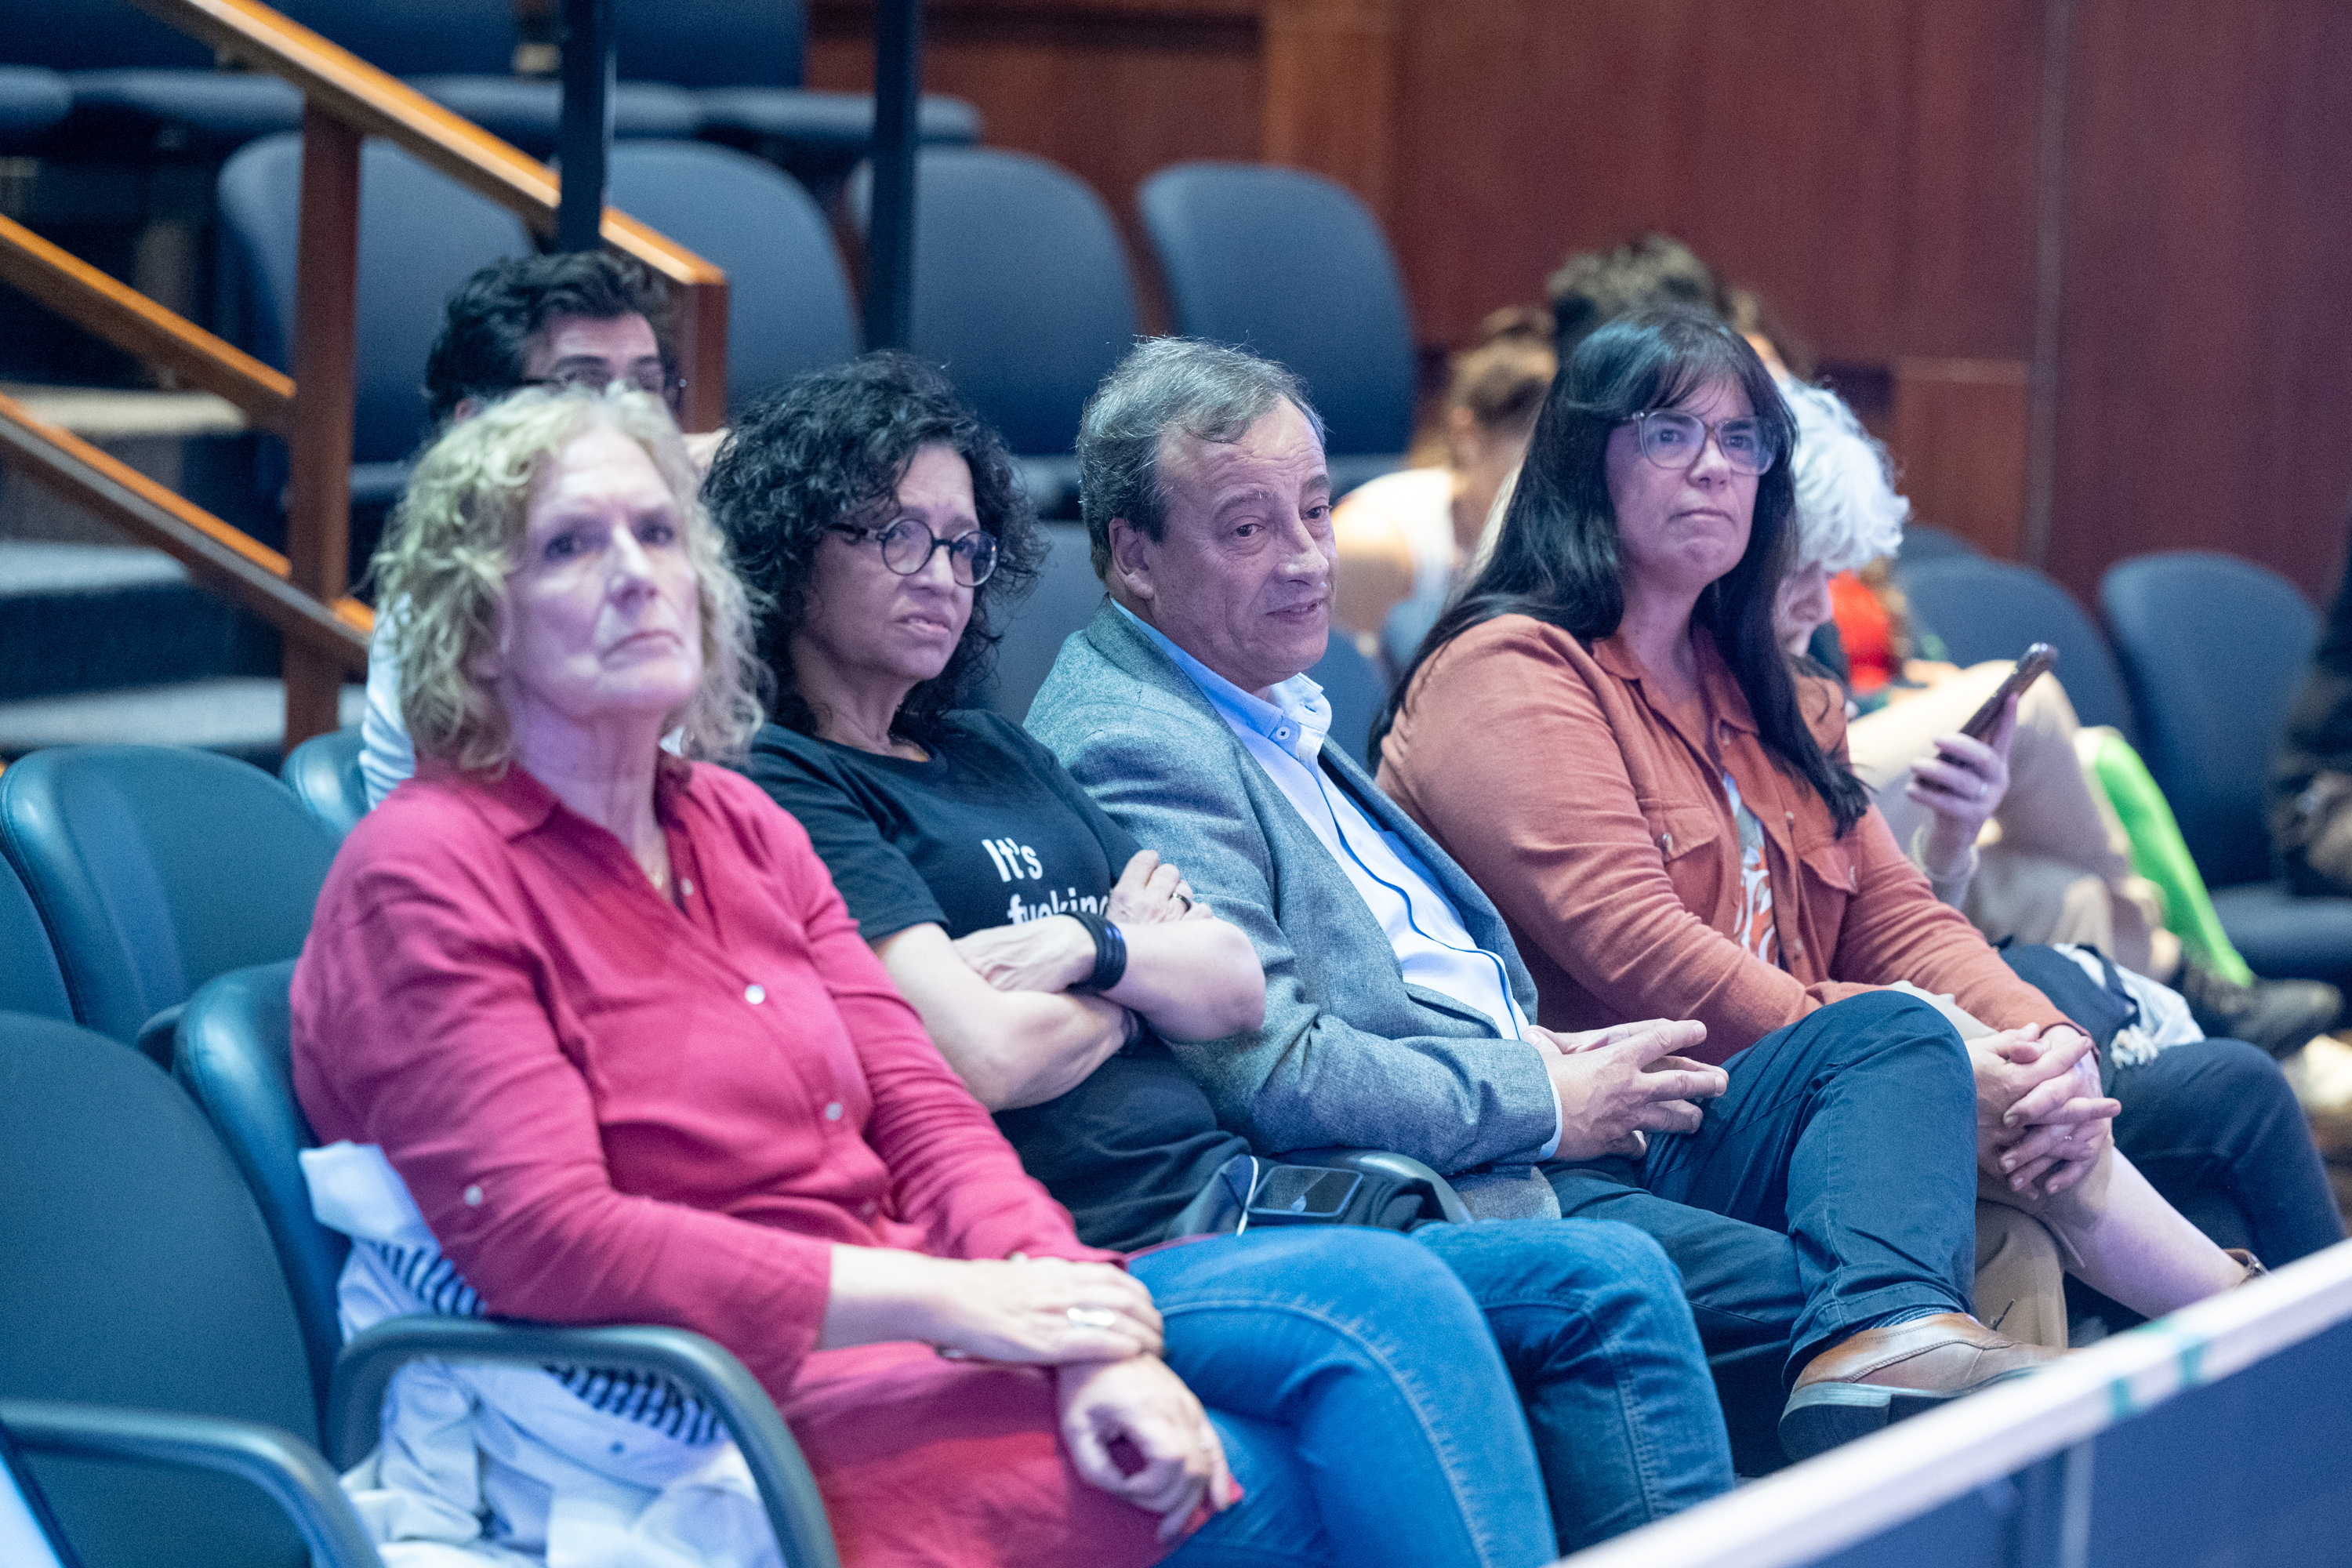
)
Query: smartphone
[{"x": 2030, "y": 665}]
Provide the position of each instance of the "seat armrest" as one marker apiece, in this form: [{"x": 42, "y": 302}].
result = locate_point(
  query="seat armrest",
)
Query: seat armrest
[
  {"x": 1397, "y": 1168},
  {"x": 156, "y": 1035},
  {"x": 292, "y": 1472},
  {"x": 355, "y": 1399}
]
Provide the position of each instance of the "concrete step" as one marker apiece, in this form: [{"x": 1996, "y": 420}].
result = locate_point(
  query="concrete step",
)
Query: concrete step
[
  {"x": 243, "y": 716},
  {"x": 94, "y": 618}
]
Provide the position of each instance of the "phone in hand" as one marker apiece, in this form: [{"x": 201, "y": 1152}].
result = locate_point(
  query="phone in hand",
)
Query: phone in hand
[{"x": 2031, "y": 665}]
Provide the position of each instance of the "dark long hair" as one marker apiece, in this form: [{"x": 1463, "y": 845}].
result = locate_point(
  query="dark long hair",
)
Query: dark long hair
[
  {"x": 1557, "y": 558},
  {"x": 831, "y": 447}
]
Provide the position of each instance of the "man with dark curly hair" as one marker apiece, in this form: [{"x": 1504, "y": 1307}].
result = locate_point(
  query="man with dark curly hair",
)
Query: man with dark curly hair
[{"x": 582, "y": 319}]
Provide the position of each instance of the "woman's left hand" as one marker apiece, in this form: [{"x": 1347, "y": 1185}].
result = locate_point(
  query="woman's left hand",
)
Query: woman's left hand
[
  {"x": 2055, "y": 1133},
  {"x": 1051, "y": 954},
  {"x": 1961, "y": 783},
  {"x": 1141, "y": 1402},
  {"x": 1150, "y": 891}
]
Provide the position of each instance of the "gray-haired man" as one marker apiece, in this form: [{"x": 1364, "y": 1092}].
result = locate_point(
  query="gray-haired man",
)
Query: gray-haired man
[{"x": 1398, "y": 1014}]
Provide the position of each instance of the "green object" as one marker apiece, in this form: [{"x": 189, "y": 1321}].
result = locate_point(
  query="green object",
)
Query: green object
[{"x": 2160, "y": 855}]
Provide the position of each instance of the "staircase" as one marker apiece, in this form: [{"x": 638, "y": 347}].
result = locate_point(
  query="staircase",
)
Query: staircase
[{"x": 103, "y": 641}]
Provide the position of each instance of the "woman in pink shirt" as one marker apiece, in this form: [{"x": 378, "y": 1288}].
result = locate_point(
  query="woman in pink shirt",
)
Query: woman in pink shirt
[{"x": 603, "y": 1014}]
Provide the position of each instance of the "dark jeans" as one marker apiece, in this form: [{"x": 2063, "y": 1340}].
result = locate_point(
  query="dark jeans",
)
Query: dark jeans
[{"x": 1831, "y": 1187}]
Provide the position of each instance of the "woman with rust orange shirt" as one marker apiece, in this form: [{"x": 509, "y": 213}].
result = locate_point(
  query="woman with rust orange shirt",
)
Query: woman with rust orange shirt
[{"x": 1604, "y": 731}]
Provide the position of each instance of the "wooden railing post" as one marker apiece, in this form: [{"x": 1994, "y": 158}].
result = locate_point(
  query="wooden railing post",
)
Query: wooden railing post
[{"x": 319, "y": 494}]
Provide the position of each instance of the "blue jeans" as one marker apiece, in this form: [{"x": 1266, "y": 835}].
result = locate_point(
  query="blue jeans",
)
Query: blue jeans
[
  {"x": 1360, "y": 1400},
  {"x": 1831, "y": 1188},
  {"x": 1590, "y": 1320}
]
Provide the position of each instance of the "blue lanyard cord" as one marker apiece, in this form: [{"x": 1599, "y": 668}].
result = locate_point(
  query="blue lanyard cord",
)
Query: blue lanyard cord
[{"x": 1339, "y": 830}]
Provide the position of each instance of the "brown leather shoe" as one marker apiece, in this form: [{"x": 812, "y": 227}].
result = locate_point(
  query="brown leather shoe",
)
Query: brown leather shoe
[{"x": 1883, "y": 1375}]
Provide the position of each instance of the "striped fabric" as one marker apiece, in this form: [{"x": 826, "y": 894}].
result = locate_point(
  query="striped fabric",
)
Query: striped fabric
[{"x": 647, "y": 1398}]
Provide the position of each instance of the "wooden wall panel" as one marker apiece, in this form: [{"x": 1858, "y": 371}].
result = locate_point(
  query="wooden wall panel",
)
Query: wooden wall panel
[
  {"x": 1111, "y": 90},
  {"x": 2207, "y": 299},
  {"x": 1533, "y": 129}
]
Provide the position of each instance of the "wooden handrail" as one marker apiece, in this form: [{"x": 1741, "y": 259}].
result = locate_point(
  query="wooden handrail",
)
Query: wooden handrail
[
  {"x": 345, "y": 100},
  {"x": 255, "y": 574},
  {"x": 142, "y": 328},
  {"x": 377, "y": 104}
]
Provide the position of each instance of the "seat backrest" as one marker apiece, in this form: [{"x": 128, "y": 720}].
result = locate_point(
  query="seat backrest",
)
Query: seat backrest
[
  {"x": 95, "y": 35},
  {"x": 1986, "y": 609},
  {"x": 420, "y": 235},
  {"x": 1021, "y": 287},
  {"x": 233, "y": 1053},
  {"x": 1926, "y": 541},
  {"x": 1356, "y": 688},
  {"x": 135, "y": 1271},
  {"x": 788, "y": 307},
  {"x": 1290, "y": 266},
  {"x": 156, "y": 867},
  {"x": 323, "y": 772},
  {"x": 711, "y": 43},
  {"x": 30, "y": 981},
  {"x": 1066, "y": 597},
  {"x": 415, "y": 38},
  {"x": 2215, "y": 649}
]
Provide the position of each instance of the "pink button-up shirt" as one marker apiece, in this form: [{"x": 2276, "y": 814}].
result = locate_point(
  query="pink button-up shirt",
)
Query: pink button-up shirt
[{"x": 612, "y": 1108}]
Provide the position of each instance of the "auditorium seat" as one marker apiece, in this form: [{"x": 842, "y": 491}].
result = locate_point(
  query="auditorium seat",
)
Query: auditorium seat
[
  {"x": 140, "y": 89},
  {"x": 154, "y": 868},
  {"x": 1021, "y": 289},
  {"x": 461, "y": 54},
  {"x": 1985, "y": 609},
  {"x": 2214, "y": 649},
  {"x": 234, "y": 1057},
  {"x": 30, "y": 981},
  {"x": 323, "y": 772},
  {"x": 1291, "y": 265},
  {"x": 1924, "y": 542},
  {"x": 31, "y": 101},
  {"x": 1355, "y": 687},
  {"x": 788, "y": 302},
  {"x": 1066, "y": 597},
  {"x": 420, "y": 235},
  {"x": 134, "y": 1271},
  {"x": 292, "y": 1472},
  {"x": 743, "y": 61}
]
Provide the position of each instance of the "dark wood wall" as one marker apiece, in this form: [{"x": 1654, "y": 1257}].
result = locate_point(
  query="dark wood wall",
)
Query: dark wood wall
[{"x": 2087, "y": 263}]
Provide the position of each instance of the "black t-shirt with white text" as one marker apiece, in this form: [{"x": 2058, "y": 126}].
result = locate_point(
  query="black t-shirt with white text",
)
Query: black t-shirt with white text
[{"x": 990, "y": 830}]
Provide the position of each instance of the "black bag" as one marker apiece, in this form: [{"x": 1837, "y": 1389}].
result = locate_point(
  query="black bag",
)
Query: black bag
[{"x": 1251, "y": 1194}]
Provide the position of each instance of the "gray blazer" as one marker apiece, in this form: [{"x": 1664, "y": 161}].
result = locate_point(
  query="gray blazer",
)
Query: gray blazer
[{"x": 1349, "y": 1054}]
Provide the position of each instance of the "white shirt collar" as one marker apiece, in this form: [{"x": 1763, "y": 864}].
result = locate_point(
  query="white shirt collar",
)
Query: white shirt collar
[{"x": 1297, "y": 718}]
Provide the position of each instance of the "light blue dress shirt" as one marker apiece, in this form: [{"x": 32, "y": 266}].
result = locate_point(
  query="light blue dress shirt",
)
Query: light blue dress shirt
[{"x": 1432, "y": 947}]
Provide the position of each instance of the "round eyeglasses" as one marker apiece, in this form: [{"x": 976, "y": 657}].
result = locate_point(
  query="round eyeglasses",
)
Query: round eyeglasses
[
  {"x": 1674, "y": 440},
  {"x": 908, "y": 547}
]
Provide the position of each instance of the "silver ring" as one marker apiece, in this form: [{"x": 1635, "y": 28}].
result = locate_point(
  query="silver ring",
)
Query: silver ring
[{"x": 1091, "y": 1318}]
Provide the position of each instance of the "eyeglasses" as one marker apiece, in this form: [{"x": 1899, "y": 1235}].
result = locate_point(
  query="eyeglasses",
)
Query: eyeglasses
[
  {"x": 1674, "y": 441},
  {"x": 908, "y": 547},
  {"x": 647, "y": 379}
]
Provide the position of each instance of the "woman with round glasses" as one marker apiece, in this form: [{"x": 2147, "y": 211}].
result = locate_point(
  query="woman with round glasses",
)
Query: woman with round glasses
[{"x": 1604, "y": 730}]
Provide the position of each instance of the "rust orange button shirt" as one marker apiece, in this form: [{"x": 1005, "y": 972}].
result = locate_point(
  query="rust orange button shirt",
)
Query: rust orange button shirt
[{"x": 1596, "y": 819}]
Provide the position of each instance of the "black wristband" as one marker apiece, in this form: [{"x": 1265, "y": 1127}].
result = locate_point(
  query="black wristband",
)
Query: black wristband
[{"x": 1110, "y": 952}]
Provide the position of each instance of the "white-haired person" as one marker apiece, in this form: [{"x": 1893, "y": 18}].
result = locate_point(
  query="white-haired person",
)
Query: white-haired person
[
  {"x": 592, "y": 1039},
  {"x": 2212, "y": 1123}
]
